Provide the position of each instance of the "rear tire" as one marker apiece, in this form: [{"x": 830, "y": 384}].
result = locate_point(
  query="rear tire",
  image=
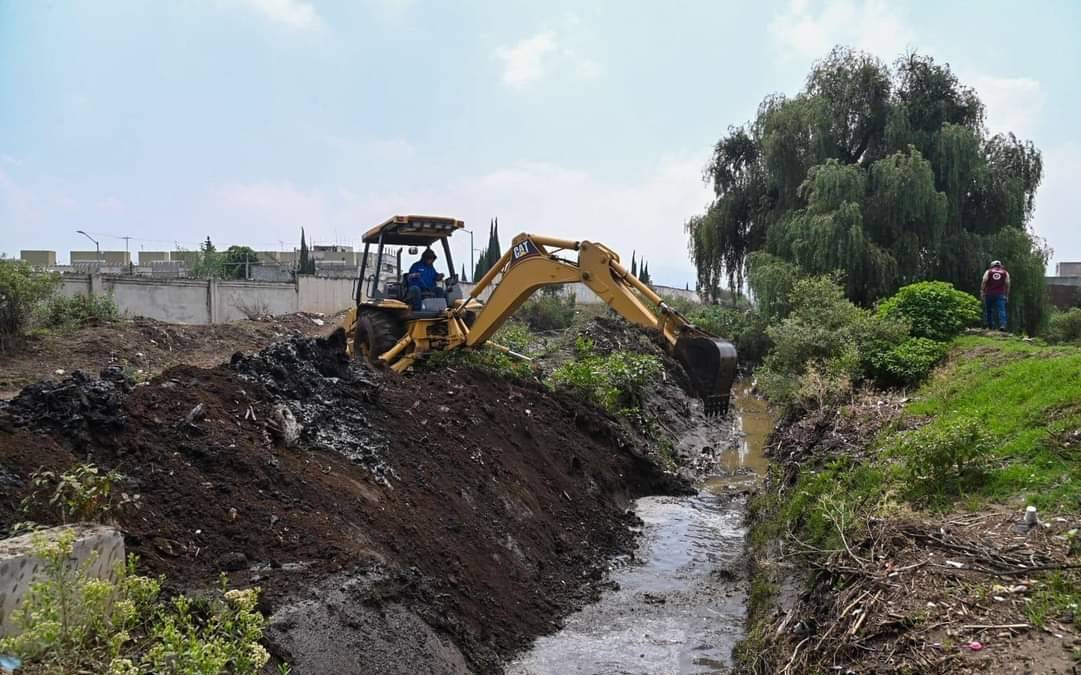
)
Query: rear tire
[{"x": 377, "y": 332}]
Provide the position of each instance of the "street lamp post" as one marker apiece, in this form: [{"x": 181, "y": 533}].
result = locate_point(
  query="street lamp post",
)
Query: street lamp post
[
  {"x": 97, "y": 247},
  {"x": 472, "y": 263}
]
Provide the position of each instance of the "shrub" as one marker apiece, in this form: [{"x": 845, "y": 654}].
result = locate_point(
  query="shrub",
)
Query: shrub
[
  {"x": 1065, "y": 326},
  {"x": 614, "y": 382},
  {"x": 21, "y": 290},
  {"x": 78, "y": 311},
  {"x": 935, "y": 309},
  {"x": 547, "y": 312},
  {"x": 945, "y": 459},
  {"x": 826, "y": 334},
  {"x": 908, "y": 363}
]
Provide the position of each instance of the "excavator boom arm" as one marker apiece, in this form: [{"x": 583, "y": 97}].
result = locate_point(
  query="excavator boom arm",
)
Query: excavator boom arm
[{"x": 532, "y": 263}]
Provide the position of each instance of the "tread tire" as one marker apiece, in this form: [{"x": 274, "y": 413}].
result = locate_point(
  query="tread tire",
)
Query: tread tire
[{"x": 377, "y": 331}]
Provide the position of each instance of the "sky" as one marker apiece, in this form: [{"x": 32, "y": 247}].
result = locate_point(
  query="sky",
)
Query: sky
[{"x": 245, "y": 120}]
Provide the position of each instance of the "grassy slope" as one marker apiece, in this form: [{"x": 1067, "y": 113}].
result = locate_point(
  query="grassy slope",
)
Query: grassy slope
[
  {"x": 1025, "y": 396},
  {"x": 1028, "y": 398}
]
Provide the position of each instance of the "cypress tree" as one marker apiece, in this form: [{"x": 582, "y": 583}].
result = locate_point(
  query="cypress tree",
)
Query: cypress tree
[
  {"x": 302, "y": 266},
  {"x": 634, "y": 265},
  {"x": 494, "y": 251}
]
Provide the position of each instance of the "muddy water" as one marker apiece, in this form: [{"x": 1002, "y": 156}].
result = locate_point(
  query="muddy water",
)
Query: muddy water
[{"x": 677, "y": 606}]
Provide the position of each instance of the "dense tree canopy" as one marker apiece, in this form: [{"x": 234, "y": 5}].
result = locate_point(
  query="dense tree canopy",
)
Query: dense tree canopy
[{"x": 886, "y": 176}]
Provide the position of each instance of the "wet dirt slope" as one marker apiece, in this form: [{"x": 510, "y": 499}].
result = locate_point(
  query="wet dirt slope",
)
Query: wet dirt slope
[{"x": 484, "y": 507}]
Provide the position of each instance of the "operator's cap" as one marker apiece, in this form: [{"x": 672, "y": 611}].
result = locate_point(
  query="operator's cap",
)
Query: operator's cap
[
  {"x": 428, "y": 253},
  {"x": 996, "y": 263}
]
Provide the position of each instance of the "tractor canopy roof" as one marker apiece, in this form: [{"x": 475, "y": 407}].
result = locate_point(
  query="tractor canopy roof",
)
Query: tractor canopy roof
[{"x": 413, "y": 230}]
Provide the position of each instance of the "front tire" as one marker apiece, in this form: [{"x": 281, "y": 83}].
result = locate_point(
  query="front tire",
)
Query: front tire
[{"x": 377, "y": 332}]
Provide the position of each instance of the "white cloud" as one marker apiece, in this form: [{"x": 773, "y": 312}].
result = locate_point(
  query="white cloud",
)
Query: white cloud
[
  {"x": 807, "y": 30},
  {"x": 296, "y": 14},
  {"x": 542, "y": 55},
  {"x": 524, "y": 62},
  {"x": 1013, "y": 104}
]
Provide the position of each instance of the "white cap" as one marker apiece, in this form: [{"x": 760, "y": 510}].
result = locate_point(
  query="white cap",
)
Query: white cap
[{"x": 996, "y": 263}]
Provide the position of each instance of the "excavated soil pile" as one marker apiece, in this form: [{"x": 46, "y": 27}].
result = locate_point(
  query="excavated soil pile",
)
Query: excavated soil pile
[
  {"x": 145, "y": 347},
  {"x": 489, "y": 506}
]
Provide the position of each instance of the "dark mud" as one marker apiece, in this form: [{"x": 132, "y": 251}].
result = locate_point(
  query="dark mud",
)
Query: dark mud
[{"x": 484, "y": 509}]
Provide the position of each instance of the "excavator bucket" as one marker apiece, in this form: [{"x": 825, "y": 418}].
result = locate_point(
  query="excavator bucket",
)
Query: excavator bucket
[{"x": 711, "y": 365}]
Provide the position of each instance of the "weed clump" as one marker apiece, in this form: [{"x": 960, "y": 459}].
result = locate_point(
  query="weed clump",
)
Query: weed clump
[
  {"x": 613, "y": 382},
  {"x": 78, "y": 311},
  {"x": 70, "y": 621}
]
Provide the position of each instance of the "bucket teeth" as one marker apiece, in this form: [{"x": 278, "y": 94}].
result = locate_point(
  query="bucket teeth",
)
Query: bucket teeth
[{"x": 716, "y": 406}]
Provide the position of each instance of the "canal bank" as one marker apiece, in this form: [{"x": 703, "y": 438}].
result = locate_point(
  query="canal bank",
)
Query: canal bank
[{"x": 677, "y": 604}]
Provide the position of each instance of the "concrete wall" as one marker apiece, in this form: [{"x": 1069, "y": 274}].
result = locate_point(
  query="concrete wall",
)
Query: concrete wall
[
  {"x": 200, "y": 301},
  {"x": 320, "y": 294},
  {"x": 584, "y": 296},
  {"x": 99, "y": 548}
]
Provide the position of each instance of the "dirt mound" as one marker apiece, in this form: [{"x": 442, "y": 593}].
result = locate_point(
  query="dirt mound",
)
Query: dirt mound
[
  {"x": 76, "y": 406},
  {"x": 145, "y": 347},
  {"x": 493, "y": 504}
]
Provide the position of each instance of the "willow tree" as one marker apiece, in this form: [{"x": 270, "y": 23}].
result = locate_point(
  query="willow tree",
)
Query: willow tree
[{"x": 882, "y": 175}]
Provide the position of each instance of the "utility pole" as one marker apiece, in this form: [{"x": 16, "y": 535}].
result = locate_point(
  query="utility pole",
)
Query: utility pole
[{"x": 128, "y": 256}]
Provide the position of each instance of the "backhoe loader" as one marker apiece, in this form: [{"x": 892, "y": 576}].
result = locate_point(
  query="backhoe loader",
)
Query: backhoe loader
[{"x": 388, "y": 330}]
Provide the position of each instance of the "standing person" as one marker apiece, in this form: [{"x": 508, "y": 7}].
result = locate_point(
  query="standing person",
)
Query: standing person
[{"x": 995, "y": 289}]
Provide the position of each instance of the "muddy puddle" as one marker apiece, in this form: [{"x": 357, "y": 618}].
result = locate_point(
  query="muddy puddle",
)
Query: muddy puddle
[{"x": 678, "y": 605}]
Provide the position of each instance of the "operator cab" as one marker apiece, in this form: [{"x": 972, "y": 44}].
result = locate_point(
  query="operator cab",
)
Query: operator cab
[{"x": 410, "y": 235}]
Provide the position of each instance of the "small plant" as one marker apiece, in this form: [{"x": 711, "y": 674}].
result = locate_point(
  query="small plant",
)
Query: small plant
[
  {"x": 613, "y": 382},
  {"x": 935, "y": 309},
  {"x": 71, "y": 622},
  {"x": 945, "y": 459},
  {"x": 80, "y": 494},
  {"x": 548, "y": 312},
  {"x": 514, "y": 335},
  {"x": 584, "y": 346},
  {"x": 78, "y": 311},
  {"x": 1065, "y": 326}
]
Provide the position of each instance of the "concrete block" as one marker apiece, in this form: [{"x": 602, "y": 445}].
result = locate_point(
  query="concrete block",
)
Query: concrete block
[{"x": 19, "y": 566}]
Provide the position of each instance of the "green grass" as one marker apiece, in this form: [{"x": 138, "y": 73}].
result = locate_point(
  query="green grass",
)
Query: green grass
[
  {"x": 1022, "y": 399},
  {"x": 1027, "y": 398}
]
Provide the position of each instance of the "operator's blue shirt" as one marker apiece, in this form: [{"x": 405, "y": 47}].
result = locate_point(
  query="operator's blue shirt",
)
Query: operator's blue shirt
[{"x": 427, "y": 275}]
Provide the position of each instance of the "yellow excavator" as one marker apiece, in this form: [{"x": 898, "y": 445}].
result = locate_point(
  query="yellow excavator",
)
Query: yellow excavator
[{"x": 389, "y": 327}]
